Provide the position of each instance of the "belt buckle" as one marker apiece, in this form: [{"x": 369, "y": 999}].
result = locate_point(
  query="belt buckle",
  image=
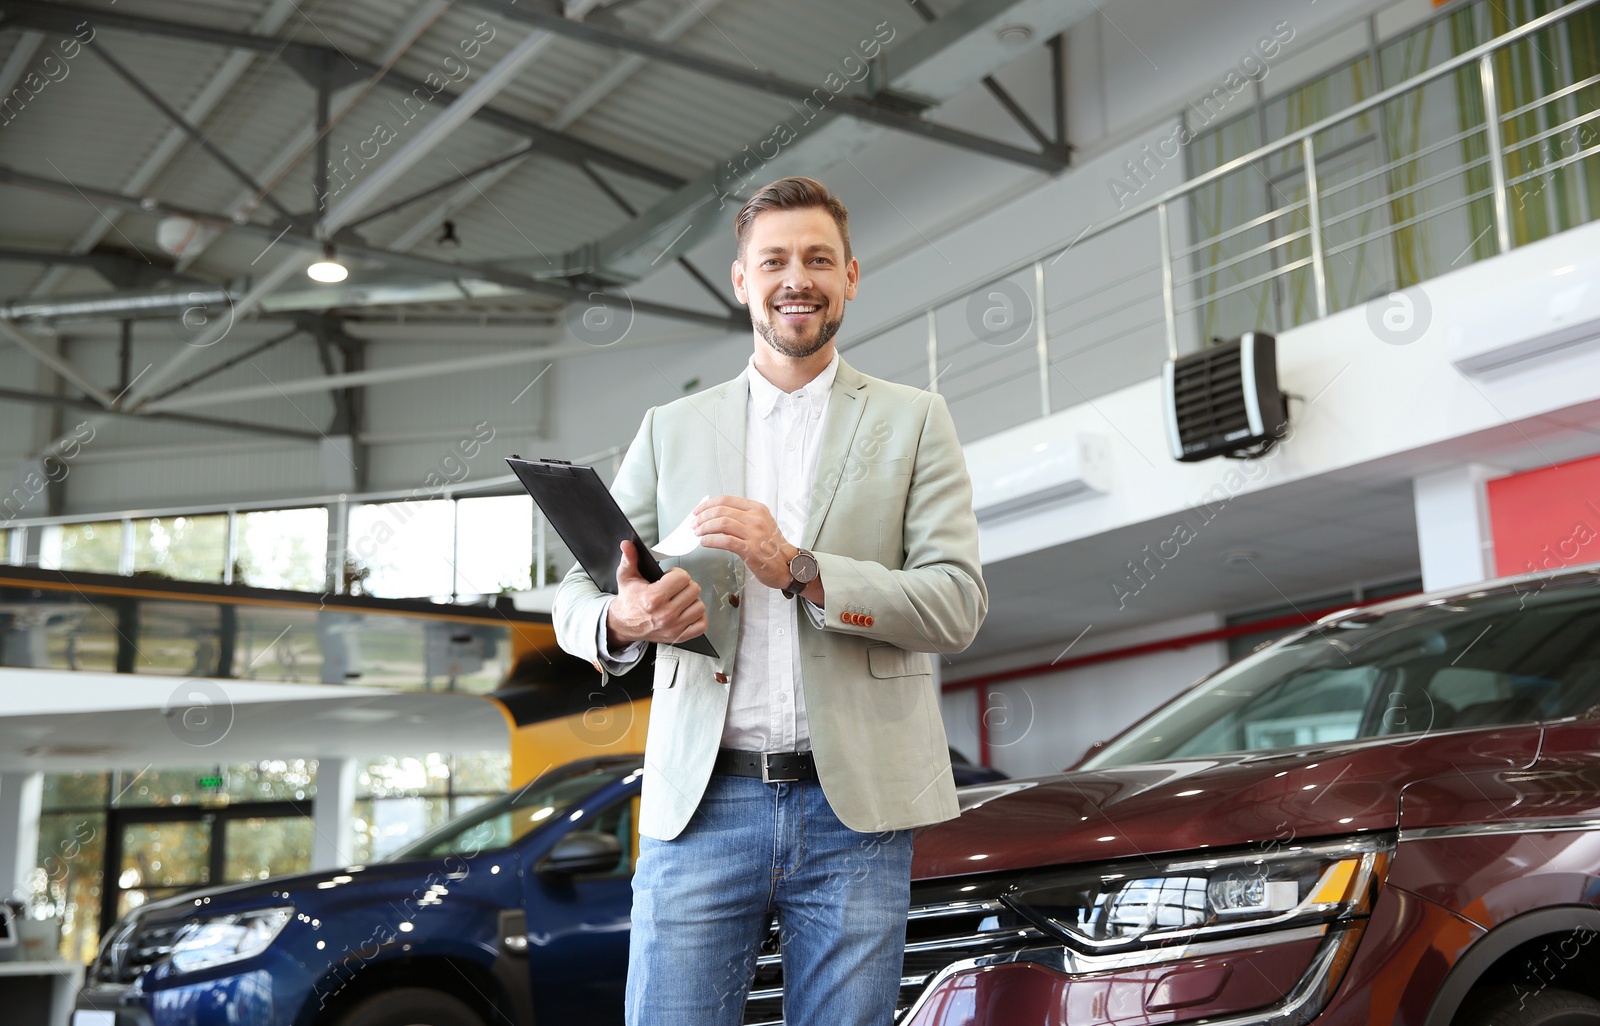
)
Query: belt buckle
[{"x": 766, "y": 772}]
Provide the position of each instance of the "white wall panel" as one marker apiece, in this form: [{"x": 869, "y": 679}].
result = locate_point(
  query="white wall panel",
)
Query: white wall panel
[{"x": 1039, "y": 725}]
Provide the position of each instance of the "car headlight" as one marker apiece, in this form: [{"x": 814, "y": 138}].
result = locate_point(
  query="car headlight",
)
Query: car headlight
[
  {"x": 227, "y": 938},
  {"x": 1131, "y": 905}
]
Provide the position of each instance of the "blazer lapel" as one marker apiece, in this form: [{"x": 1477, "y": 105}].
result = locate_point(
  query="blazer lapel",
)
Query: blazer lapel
[{"x": 846, "y": 403}]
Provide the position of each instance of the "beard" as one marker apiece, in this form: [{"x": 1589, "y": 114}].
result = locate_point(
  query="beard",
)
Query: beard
[{"x": 797, "y": 347}]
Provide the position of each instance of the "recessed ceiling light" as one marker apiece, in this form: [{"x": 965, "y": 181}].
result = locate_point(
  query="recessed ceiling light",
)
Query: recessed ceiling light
[{"x": 1014, "y": 35}]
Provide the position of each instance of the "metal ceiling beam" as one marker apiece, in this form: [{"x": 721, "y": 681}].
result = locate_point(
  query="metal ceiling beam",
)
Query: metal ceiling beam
[
  {"x": 454, "y": 181},
  {"x": 59, "y": 364},
  {"x": 560, "y": 145},
  {"x": 232, "y": 361},
  {"x": 116, "y": 268},
  {"x": 373, "y": 183},
  {"x": 558, "y": 289},
  {"x": 575, "y": 108},
  {"x": 1009, "y": 102},
  {"x": 69, "y": 402},
  {"x": 195, "y": 135},
  {"x": 690, "y": 269},
  {"x": 408, "y": 372},
  {"x": 199, "y": 107},
  {"x": 939, "y": 61},
  {"x": 888, "y": 113},
  {"x": 325, "y": 73}
]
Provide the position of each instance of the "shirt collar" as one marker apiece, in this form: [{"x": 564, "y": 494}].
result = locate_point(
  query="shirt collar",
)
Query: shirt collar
[{"x": 764, "y": 395}]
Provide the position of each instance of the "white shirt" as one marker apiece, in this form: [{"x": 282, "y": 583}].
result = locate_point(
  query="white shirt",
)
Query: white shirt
[{"x": 783, "y": 436}]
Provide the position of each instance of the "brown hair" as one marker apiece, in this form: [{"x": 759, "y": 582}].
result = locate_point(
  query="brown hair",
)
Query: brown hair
[{"x": 791, "y": 194}]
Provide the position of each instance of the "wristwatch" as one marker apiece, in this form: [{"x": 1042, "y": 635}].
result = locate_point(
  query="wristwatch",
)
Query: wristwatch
[{"x": 803, "y": 568}]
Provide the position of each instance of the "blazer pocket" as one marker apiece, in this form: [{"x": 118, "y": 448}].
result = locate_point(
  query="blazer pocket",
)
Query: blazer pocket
[
  {"x": 666, "y": 671},
  {"x": 886, "y": 661},
  {"x": 877, "y": 470}
]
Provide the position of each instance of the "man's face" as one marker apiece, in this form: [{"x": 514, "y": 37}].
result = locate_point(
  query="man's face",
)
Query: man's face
[{"x": 795, "y": 279}]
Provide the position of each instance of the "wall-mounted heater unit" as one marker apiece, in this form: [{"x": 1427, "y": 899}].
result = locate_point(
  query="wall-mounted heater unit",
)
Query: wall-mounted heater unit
[{"x": 1224, "y": 400}]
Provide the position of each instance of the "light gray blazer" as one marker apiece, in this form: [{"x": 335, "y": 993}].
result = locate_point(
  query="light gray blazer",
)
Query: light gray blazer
[{"x": 892, "y": 527}]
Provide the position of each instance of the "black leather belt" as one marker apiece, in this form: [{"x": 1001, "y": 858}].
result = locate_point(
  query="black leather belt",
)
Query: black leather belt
[{"x": 772, "y": 767}]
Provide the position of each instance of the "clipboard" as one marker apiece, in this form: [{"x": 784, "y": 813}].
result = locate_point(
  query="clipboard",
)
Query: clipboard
[{"x": 591, "y": 524}]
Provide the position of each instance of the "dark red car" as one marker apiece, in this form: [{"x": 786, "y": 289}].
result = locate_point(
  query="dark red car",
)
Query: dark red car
[{"x": 1391, "y": 817}]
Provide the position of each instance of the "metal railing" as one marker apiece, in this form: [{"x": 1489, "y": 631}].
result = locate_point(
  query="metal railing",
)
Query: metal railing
[
  {"x": 548, "y": 551},
  {"x": 1290, "y": 246}
]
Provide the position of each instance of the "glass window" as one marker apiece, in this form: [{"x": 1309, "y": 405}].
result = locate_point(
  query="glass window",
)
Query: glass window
[
  {"x": 621, "y": 820},
  {"x": 179, "y": 639},
  {"x": 181, "y": 548},
  {"x": 385, "y": 825},
  {"x": 393, "y": 776},
  {"x": 405, "y": 549},
  {"x": 65, "y": 884},
  {"x": 501, "y": 823},
  {"x": 259, "y": 847},
  {"x": 465, "y": 656},
  {"x": 488, "y": 772},
  {"x": 75, "y": 790},
  {"x": 162, "y": 859},
  {"x": 279, "y": 644},
  {"x": 95, "y": 547},
  {"x": 271, "y": 780},
  {"x": 282, "y": 548},
  {"x": 173, "y": 785},
  {"x": 1469, "y": 662},
  {"x": 496, "y": 546}
]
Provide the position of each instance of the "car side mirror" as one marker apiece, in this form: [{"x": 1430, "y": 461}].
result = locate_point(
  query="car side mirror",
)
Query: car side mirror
[{"x": 582, "y": 851}]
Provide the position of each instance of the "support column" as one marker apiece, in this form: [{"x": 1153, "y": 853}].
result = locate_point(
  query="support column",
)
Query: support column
[
  {"x": 332, "y": 814},
  {"x": 21, "y": 795},
  {"x": 1453, "y": 536}
]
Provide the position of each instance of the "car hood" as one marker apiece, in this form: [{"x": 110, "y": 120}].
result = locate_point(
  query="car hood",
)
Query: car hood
[
  {"x": 1219, "y": 801},
  {"x": 303, "y": 890}
]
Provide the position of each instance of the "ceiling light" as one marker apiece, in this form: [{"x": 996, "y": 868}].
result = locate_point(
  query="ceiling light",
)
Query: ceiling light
[
  {"x": 328, "y": 269},
  {"x": 1015, "y": 35}
]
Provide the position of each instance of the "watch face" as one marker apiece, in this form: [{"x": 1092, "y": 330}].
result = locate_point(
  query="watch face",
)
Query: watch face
[{"x": 803, "y": 567}]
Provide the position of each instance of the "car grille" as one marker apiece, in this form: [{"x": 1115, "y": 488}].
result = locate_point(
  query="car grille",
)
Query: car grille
[
  {"x": 942, "y": 929},
  {"x": 135, "y": 947}
]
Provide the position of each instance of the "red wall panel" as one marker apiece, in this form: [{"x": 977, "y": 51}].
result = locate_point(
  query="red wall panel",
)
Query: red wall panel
[{"x": 1546, "y": 519}]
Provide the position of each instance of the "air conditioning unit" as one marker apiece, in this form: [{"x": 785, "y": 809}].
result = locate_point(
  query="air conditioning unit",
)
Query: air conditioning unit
[
  {"x": 1528, "y": 319},
  {"x": 1036, "y": 471},
  {"x": 1224, "y": 400}
]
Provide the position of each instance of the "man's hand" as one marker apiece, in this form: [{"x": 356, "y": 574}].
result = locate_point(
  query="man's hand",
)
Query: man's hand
[
  {"x": 668, "y": 611},
  {"x": 746, "y": 529}
]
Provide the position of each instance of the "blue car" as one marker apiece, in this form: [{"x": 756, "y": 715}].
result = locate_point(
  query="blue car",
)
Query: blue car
[{"x": 516, "y": 913}]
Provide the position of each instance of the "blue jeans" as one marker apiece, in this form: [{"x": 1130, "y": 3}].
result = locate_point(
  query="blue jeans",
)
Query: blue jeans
[{"x": 701, "y": 901}]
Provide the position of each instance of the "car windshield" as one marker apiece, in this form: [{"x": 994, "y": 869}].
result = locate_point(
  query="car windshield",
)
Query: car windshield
[
  {"x": 1500, "y": 658},
  {"x": 508, "y": 819}
]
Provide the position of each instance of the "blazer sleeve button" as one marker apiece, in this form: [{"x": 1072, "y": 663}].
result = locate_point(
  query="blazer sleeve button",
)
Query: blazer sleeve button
[{"x": 866, "y": 621}]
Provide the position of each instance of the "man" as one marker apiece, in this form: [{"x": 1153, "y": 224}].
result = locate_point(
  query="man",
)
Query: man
[{"x": 838, "y": 547}]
